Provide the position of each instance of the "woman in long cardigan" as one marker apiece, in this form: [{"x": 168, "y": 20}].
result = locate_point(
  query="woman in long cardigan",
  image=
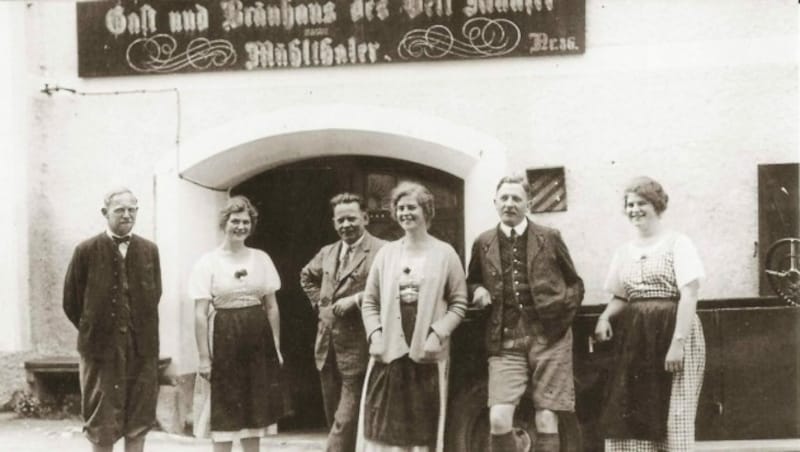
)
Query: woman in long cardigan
[{"x": 414, "y": 298}]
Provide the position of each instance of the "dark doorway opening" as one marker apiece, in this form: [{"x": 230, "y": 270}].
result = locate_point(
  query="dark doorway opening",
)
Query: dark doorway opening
[{"x": 295, "y": 222}]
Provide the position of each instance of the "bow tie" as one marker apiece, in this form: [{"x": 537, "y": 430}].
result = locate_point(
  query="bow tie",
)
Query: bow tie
[{"x": 118, "y": 240}]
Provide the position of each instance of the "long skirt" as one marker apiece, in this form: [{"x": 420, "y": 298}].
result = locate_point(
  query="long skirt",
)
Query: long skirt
[
  {"x": 363, "y": 444},
  {"x": 646, "y": 407},
  {"x": 398, "y": 404},
  {"x": 246, "y": 389}
]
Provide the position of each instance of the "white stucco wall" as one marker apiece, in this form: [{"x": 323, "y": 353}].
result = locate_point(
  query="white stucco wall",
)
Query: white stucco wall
[
  {"x": 695, "y": 94},
  {"x": 181, "y": 243},
  {"x": 14, "y": 124}
]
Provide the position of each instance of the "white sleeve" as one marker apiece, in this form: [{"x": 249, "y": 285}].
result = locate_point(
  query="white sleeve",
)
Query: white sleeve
[
  {"x": 200, "y": 280},
  {"x": 688, "y": 266},
  {"x": 613, "y": 283}
]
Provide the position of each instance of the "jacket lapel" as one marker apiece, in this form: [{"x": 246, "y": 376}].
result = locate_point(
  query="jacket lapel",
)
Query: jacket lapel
[
  {"x": 330, "y": 263},
  {"x": 492, "y": 250},
  {"x": 359, "y": 254},
  {"x": 128, "y": 257},
  {"x": 534, "y": 244}
]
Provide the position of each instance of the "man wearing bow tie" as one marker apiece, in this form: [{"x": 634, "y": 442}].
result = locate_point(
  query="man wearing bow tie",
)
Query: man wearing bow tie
[
  {"x": 111, "y": 295},
  {"x": 334, "y": 282}
]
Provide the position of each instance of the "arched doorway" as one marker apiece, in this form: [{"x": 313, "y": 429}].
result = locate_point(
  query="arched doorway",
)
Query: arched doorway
[
  {"x": 192, "y": 183},
  {"x": 295, "y": 221}
]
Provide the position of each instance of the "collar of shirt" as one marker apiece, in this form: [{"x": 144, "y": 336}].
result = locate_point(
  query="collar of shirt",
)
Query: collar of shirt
[
  {"x": 352, "y": 246},
  {"x": 520, "y": 228}
]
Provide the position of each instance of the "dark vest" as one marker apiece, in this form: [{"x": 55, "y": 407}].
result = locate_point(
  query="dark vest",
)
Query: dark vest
[
  {"x": 106, "y": 296},
  {"x": 121, "y": 310},
  {"x": 518, "y": 308},
  {"x": 555, "y": 286}
]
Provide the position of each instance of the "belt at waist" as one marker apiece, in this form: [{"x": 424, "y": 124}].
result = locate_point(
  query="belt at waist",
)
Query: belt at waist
[
  {"x": 520, "y": 343},
  {"x": 654, "y": 299},
  {"x": 236, "y": 304}
]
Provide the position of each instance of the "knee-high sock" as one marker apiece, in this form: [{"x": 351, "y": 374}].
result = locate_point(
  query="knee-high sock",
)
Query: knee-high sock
[
  {"x": 503, "y": 443},
  {"x": 547, "y": 442}
]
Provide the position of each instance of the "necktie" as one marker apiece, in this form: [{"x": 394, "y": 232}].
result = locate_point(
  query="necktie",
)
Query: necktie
[
  {"x": 345, "y": 259},
  {"x": 513, "y": 235}
]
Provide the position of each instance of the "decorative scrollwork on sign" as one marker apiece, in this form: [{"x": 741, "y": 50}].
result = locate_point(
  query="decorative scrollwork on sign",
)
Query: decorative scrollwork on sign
[
  {"x": 482, "y": 37},
  {"x": 158, "y": 54}
]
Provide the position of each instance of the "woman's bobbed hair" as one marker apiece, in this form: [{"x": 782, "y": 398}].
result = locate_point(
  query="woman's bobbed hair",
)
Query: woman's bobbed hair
[
  {"x": 650, "y": 190},
  {"x": 238, "y": 204},
  {"x": 421, "y": 193}
]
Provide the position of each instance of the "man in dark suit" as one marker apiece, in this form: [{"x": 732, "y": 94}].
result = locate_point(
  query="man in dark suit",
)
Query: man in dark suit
[
  {"x": 334, "y": 282},
  {"x": 111, "y": 295},
  {"x": 524, "y": 272}
]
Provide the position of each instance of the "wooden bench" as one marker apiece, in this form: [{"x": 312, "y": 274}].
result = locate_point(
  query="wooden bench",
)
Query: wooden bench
[{"x": 51, "y": 378}]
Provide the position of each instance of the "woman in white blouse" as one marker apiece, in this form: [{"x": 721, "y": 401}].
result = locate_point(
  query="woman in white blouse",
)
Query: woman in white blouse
[
  {"x": 651, "y": 399},
  {"x": 237, "y": 329}
]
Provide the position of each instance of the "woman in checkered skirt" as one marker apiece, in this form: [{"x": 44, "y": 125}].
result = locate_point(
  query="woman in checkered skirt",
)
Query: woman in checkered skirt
[{"x": 651, "y": 400}]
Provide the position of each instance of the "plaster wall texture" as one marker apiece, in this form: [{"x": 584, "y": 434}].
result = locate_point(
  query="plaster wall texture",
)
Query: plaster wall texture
[
  {"x": 14, "y": 118},
  {"x": 15, "y": 341},
  {"x": 79, "y": 155},
  {"x": 694, "y": 94},
  {"x": 183, "y": 247}
]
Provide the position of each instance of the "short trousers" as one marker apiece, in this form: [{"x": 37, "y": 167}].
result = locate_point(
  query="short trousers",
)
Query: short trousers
[{"x": 547, "y": 367}]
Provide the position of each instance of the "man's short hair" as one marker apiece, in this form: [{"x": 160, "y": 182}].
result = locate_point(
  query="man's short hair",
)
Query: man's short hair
[
  {"x": 116, "y": 192},
  {"x": 520, "y": 180},
  {"x": 347, "y": 198}
]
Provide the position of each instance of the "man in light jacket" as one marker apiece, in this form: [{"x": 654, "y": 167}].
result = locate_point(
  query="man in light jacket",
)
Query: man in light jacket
[{"x": 334, "y": 282}]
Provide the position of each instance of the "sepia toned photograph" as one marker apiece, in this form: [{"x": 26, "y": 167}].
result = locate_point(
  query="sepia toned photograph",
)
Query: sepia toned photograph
[{"x": 400, "y": 225}]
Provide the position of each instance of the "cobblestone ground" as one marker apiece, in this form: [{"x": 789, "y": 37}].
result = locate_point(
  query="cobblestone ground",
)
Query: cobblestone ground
[{"x": 38, "y": 435}]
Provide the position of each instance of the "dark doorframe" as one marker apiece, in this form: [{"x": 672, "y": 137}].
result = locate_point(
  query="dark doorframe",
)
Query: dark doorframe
[{"x": 295, "y": 222}]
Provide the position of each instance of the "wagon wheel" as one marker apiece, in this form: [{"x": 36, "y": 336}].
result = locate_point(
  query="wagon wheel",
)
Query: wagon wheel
[{"x": 782, "y": 267}]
